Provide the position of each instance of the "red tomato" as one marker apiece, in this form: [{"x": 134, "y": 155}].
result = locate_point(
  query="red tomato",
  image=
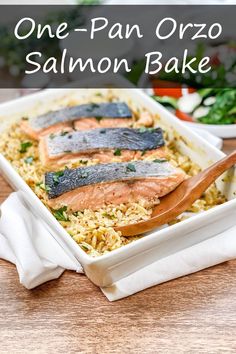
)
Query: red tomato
[
  {"x": 171, "y": 92},
  {"x": 169, "y": 88},
  {"x": 215, "y": 60},
  {"x": 183, "y": 116}
]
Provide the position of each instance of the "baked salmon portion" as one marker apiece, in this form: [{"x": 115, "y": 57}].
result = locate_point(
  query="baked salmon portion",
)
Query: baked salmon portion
[
  {"x": 102, "y": 144},
  {"x": 36, "y": 135},
  {"x": 94, "y": 123},
  {"x": 88, "y": 116},
  {"x": 115, "y": 183}
]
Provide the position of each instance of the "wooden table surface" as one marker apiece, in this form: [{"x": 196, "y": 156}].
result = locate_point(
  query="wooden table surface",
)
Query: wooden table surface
[{"x": 193, "y": 314}]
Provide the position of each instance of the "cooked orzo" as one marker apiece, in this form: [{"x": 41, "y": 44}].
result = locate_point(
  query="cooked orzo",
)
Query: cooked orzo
[{"x": 93, "y": 230}]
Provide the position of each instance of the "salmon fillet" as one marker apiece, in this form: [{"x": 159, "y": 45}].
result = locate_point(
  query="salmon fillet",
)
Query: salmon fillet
[
  {"x": 96, "y": 186},
  {"x": 101, "y": 144},
  {"x": 52, "y": 122},
  {"x": 36, "y": 135},
  {"x": 93, "y": 123},
  {"x": 100, "y": 156}
]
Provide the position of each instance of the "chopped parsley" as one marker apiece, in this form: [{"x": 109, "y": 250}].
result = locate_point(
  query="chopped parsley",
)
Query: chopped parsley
[
  {"x": 24, "y": 146},
  {"x": 144, "y": 129},
  {"x": 98, "y": 118},
  {"x": 64, "y": 133},
  {"x": 25, "y": 118},
  {"x": 43, "y": 186},
  {"x": 160, "y": 160},
  {"x": 29, "y": 160},
  {"x": 67, "y": 151},
  {"x": 51, "y": 136},
  {"x": 109, "y": 216},
  {"x": 143, "y": 152},
  {"x": 85, "y": 246},
  {"x": 130, "y": 168},
  {"x": 117, "y": 152},
  {"x": 83, "y": 162},
  {"x": 92, "y": 107},
  {"x": 47, "y": 188},
  {"x": 60, "y": 214},
  {"x": 56, "y": 176}
]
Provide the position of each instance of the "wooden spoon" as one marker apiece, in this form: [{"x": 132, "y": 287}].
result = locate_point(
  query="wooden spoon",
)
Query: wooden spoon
[{"x": 178, "y": 201}]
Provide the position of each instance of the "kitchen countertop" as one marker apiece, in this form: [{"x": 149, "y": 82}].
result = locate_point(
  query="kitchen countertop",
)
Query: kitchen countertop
[{"x": 192, "y": 314}]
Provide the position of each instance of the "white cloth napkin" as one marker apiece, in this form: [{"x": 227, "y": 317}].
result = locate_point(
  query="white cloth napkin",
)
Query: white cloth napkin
[{"x": 26, "y": 242}]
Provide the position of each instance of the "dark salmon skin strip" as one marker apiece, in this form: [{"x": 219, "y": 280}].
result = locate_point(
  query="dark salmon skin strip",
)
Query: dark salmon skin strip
[
  {"x": 91, "y": 110},
  {"x": 104, "y": 139},
  {"x": 59, "y": 183}
]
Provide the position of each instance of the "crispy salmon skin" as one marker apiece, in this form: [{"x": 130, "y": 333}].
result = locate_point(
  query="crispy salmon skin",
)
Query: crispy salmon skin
[
  {"x": 114, "y": 183},
  {"x": 90, "y": 114},
  {"x": 102, "y": 144}
]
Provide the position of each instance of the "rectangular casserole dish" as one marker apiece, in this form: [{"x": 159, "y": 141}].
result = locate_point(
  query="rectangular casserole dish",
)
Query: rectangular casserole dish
[{"x": 110, "y": 267}]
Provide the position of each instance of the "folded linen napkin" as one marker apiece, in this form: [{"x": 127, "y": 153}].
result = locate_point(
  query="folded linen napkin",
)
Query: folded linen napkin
[{"x": 26, "y": 242}]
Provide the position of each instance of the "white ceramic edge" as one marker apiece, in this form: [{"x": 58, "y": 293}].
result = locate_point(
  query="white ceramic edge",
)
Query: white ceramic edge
[{"x": 222, "y": 131}]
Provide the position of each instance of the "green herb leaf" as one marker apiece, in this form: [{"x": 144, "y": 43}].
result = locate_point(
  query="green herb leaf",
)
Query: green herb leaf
[
  {"x": 130, "y": 168},
  {"x": 109, "y": 216},
  {"x": 51, "y": 136},
  {"x": 83, "y": 162},
  {"x": 59, "y": 214},
  {"x": 223, "y": 110},
  {"x": 64, "y": 133},
  {"x": 143, "y": 152},
  {"x": 25, "y": 118},
  {"x": 144, "y": 130},
  {"x": 167, "y": 101},
  {"x": 160, "y": 160},
  {"x": 204, "y": 92},
  {"x": 84, "y": 246},
  {"x": 47, "y": 188},
  {"x": 29, "y": 160},
  {"x": 56, "y": 176},
  {"x": 92, "y": 107},
  {"x": 24, "y": 146},
  {"x": 43, "y": 186},
  {"x": 98, "y": 118},
  {"x": 117, "y": 152}
]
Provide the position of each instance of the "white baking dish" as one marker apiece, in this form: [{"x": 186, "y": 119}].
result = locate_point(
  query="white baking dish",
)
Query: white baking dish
[{"x": 105, "y": 270}]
